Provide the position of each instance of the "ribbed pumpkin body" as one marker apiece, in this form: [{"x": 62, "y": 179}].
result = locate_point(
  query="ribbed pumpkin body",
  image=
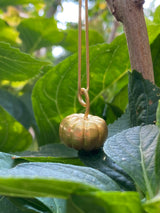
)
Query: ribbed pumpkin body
[{"x": 83, "y": 134}]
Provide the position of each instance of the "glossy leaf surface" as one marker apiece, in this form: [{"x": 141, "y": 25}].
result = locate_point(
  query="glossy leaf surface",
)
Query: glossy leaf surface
[
  {"x": 143, "y": 100},
  {"x": 100, "y": 161},
  {"x": 111, "y": 202},
  {"x": 134, "y": 150},
  {"x": 17, "y": 66},
  {"x": 13, "y": 136},
  {"x": 50, "y": 179}
]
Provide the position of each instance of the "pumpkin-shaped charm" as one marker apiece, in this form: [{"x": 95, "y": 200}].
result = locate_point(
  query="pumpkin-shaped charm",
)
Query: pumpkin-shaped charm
[{"x": 83, "y": 133}]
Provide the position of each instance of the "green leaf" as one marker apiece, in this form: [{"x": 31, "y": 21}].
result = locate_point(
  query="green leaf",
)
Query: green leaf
[
  {"x": 71, "y": 36},
  {"x": 57, "y": 153},
  {"x": 111, "y": 202},
  {"x": 153, "y": 205},
  {"x": 143, "y": 100},
  {"x": 54, "y": 204},
  {"x": 99, "y": 160},
  {"x": 30, "y": 205},
  {"x": 52, "y": 150},
  {"x": 157, "y": 15},
  {"x": 14, "y": 106},
  {"x": 58, "y": 98},
  {"x": 111, "y": 113},
  {"x": 158, "y": 115},
  {"x": 157, "y": 155},
  {"x": 121, "y": 124},
  {"x": 39, "y": 205},
  {"x": 52, "y": 179},
  {"x": 8, "y": 34},
  {"x": 117, "y": 106},
  {"x": 153, "y": 31},
  {"x": 39, "y": 32},
  {"x": 6, "y": 206},
  {"x": 13, "y": 136},
  {"x": 155, "y": 50},
  {"x": 134, "y": 151},
  {"x": 43, "y": 32},
  {"x": 17, "y": 66},
  {"x": 4, "y": 3},
  {"x": 58, "y": 150},
  {"x": 65, "y": 160},
  {"x": 6, "y": 161}
]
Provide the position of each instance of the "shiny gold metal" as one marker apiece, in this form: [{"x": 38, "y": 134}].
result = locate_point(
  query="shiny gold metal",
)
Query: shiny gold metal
[
  {"x": 83, "y": 131},
  {"x": 80, "y": 93},
  {"x": 83, "y": 134},
  {"x": 85, "y": 104}
]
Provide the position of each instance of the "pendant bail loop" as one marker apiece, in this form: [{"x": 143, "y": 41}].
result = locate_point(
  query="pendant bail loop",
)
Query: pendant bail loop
[{"x": 83, "y": 103}]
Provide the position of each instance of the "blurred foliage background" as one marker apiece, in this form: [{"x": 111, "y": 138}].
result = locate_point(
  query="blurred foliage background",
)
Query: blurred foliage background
[{"x": 48, "y": 31}]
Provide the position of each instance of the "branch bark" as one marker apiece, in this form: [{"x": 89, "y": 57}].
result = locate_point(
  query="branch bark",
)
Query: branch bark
[{"x": 130, "y": 13}]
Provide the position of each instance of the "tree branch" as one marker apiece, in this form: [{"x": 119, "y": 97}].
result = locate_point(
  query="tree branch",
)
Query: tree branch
[{"x": 130, "y": 13}]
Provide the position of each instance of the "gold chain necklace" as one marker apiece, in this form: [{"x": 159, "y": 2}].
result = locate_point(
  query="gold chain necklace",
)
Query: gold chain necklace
[
  {"x": 83, "y": 91},
  {"x": 83, "y": 131}
]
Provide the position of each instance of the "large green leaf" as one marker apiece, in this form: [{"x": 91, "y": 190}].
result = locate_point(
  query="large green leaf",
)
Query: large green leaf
[
  {"x": 99, "y": 160},
  {"x": 52, "y": 179},
  {"x": 39, "y": 32},
  {"x": 35, "y": 205},
  {"x": 117, "y": 106},
  {"x": 6, "y": 206},
  {"x": 71, "y": 36},
  {"x": 7, "y": 34},
  {"x": 13, "y": 136},
  {"x": 134, "y": 150},
  {"x": 157, "y": 154},
  {"x": 54, "y": 204},
  {"x": 4, "y": 3},
  {"x": 158, "y": 115},
  {"x": 51, "y": 153},
  {"x": 43, "y": 32},
  {"x": 14, "y": 106},
  {"x": 32, "y": 205},
  {"x": 52, "y": 150},
  {"x": 120, "y": 124},
  {"x": 17, "y": 66},
  {"x": 143, "y": 100},
  {"x": 155, "y": 50},
  {"x": 53, "y": 100},
  {"x": 153, "y": 30},
  {"x": 111, "y": 113},
  {"x": 153, "y": 205},
  {"x": 157, "y": 15},
  {"x": 112, "y": 202},
  {"x": 6, "y": 161},
  {"x": 39, "y": 205}
]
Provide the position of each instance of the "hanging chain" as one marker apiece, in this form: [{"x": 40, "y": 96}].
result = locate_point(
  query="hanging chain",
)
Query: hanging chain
[{"x": 83, "y": 91}]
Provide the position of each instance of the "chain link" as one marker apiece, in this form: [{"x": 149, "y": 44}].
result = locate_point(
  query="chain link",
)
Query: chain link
[{"x": 83, "y": 91}]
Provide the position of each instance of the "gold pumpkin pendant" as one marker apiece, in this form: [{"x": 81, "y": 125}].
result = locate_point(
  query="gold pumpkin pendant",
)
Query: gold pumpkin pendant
[{"x": 82, "y": 133}]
